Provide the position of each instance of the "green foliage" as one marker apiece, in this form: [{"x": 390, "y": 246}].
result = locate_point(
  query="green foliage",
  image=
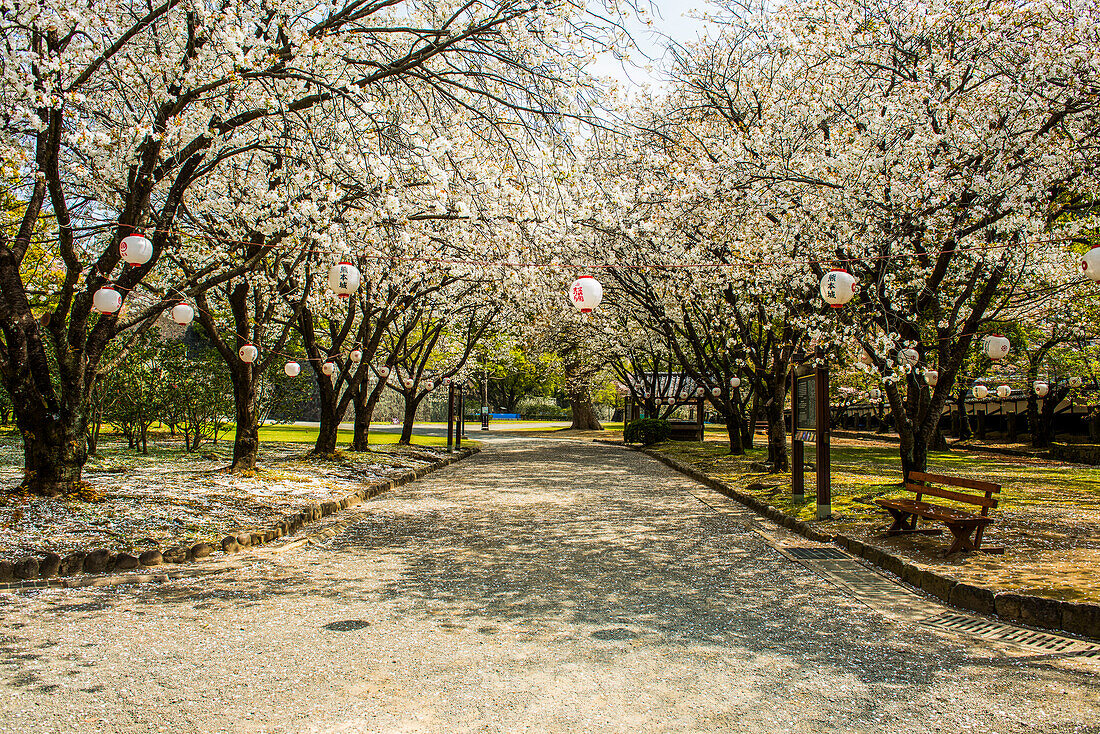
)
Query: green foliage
[{"x": 647, "y": 431}]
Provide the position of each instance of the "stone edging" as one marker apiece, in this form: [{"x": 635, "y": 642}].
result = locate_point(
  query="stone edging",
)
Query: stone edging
[
  {"x": 31, "y": 572},
  {"x": 1035, "y": 611}
]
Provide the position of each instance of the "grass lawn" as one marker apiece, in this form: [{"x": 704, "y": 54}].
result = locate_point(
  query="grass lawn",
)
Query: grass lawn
[
  {"x": 1048, "y": 520},
  {"x": 308, "y": 434}
]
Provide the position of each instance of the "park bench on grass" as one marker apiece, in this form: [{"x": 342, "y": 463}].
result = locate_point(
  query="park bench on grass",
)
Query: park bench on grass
[
  {"x": 963, "y": 524},
  {"x": 685, "y": 431}
]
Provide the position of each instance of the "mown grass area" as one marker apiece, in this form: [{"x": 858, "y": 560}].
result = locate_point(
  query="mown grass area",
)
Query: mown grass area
[
  {"x": 1048, "y": 520},
  {"x": 308, "y": 434}
]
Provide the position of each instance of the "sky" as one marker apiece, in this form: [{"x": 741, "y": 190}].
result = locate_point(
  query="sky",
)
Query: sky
[{"x": 677, "y": 19}]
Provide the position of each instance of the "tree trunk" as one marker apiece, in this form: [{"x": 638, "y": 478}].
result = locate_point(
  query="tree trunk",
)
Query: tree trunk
[
  {"x": 964, "y": 419},
  {"x": 246, "y": 440},
  {"x": 584, "y": 415},
  {"x": 733, "y": 428},
  {"x": 366, "y": 398},
  {"x": 777, "y": 428},
  {"x": 330, "y": 421},
  {"x": 914, "y": 451},
  {"x": 412, "y": 402},
  {"x": 54, "y": 453}
]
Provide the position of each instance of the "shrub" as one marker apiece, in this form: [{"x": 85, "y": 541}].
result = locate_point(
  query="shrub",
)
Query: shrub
[{"x": 647, "y": 431}]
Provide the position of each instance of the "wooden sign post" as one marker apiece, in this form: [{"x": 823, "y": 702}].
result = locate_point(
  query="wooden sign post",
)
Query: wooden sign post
[{"x": 810, "y": 422}]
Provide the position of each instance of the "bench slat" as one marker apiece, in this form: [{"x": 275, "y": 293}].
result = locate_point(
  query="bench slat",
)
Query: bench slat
[
  {"x": 935, "y": 512},
  {"x": 977, "y": 484},
  {"x": 947, "y": 494}
]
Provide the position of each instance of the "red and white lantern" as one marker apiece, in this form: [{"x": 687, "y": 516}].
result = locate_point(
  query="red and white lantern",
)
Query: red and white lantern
[
  {"x": 699, "y": 392},
  {"x": 135, "y": 250},
  {"x": 1090, "y": 263},
  {"x": 106, "y": 300},
  {"x": 328, "y": 368},
  {"x": 586, "y": 293},
  {"x": 874, "y": 393},
  {"x": 383, "y": 371},
  {"x": 429, "y": 385},
  {"x": 1003, "y": 391},
  {"x": 446, "y": 381},
  {"x": 735, "y": 382},
  {"x": 865, "y": 357},
  {"x": 837, "y": 287},
  {"x": 1042, "y": 389},
  {"x": 716, "y": 391},
  {"x": 996, "y": 346},
  {"x": 910, "y": 355},
  {"x": 980, "y": 392},
  {"x": 292, "y": 369},
  {"x": 356, "y": 356},
  {"x": 343, "y": 279},
  {"x": 408, "y": 383},
  {"x": 1075, "y": 382},
  {"x": 182, "y": 314},
  {"x": 932, "y": 377},
  {"x": 248, "y": 353}
]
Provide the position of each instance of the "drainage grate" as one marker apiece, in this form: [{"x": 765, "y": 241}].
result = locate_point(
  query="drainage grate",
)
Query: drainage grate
[
  {"x": 989, "y": 630},
  {"x": 816, "y": 554}
]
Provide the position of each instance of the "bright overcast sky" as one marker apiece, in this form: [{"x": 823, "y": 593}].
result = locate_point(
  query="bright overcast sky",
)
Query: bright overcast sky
[{"x": 678, "y": 19}]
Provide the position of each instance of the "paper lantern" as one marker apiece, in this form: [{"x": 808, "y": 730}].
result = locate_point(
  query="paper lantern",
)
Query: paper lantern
[
  {"x": 328, "y": 368},
  {"x": 408, "y": 383},
  {"x": 291, "y": 369},
  {"x": 699, "y": 392},
  {"x": 837, "y": 287},
  {"x": 182, "y": 314},
  {"x": 135, "y": 250},
  {"x": 343, "y": 279},
  {"x": 429, "y": 385},
  {"x": 910, "y": 355},
  {"x": 865, "y": 357},
  {"x": 1003, "y": 391},
  {"x": 716, "y": 391},
  {"x": 106, "y": 300},
  {"x": 735, "y": 382},
  {"x": 383, "y": 372},
  {"x": 1041, "y": 389},
  {"x": 1075, "y": 382},
  {"x": 874, "y": 393},
  {"x": 980, "y": 391},
  {"x": 996, "y": 346},
  {"x": 586, "y": 293},
  {"x": 932, "y": 377},
  {"x": 1090, "y": 263},
  {"x": 248, "y": 353}
]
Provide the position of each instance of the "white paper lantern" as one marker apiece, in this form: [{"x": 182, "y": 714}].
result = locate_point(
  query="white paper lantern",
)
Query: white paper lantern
[
  {"x": 446, "y": 381},
  {"x": 865, "y": 357},
  {"x": 586, "y": 293},
  {"x": 1041, "y": 389},
  {"x": 996, "y": 346},
  {"x": 716, "y": 391},
  {"x": 343, "y": 279},
  {"x": 135, "y": 250},
  {"x": 932, "y": 377},
  {"x": 429, "y": 385},
  {"x": 1003, "y": 391},
  {"x": 248, "y": 353},
  {"x": 910, "y": 355},
  {"x": 874, "y": 393},
  {"x": 837, "y": 287},
  {"x": 356, "y": 356},
  {"x": 1090, "y": 263},
  {"x": 699, "y": 392},
  {"x": 408, "y": 383},
  {"x": 1075, "y": 382},
  {"x": 291, "y": 369},
  {"x": 106, "y": 300},
  {"x": 383, "y": 372},
  {"x": 328, "y": 368},
  {"x": 182, "y": 314},
  {"x": 735, "y": 382},
  {"x": 672, "y": 401},
  {"x": 980, "y": 391}
]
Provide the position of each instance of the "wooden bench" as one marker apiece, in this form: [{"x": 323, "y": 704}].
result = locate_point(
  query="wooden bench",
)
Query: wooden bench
[
  {"x": 685, "y": 431},
  {"x": 962, "y": 524}
]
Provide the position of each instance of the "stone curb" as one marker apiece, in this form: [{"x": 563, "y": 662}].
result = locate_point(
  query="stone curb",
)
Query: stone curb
[
  {"x": 36, "y": 573},
  {"x": 1077, "y": 618}
]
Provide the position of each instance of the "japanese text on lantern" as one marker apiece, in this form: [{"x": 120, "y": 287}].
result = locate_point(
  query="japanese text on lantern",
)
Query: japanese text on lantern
[
  {"x": 830, "y": 283},
  {"x": 578, "y": 294}
]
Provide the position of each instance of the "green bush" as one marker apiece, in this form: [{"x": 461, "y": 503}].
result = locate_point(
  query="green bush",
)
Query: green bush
[{"x": 647, "y": 431}]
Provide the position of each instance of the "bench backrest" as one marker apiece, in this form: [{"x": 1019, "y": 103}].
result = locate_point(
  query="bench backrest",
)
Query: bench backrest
[{"x": 921, "y": 483}]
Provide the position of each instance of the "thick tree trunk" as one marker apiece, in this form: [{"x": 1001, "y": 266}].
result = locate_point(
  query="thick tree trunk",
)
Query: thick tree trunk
[
  {"x": 54, "y": 453},
  {"x": 366, "y": 397},
  {"x": 964, "y": 419},
  {"x": 329, "y": 418},
  {"x": 914, "y": 451},
  {"x": 584, "y": 415},
  {"x": 412, "y": 402},
  {"x": 246, "y": 440}
]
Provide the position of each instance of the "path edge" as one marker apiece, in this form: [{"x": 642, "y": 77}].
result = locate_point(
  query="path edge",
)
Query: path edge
[
  {"x": 135, "y": 570},
  {"x": 1077, "y": 618}
]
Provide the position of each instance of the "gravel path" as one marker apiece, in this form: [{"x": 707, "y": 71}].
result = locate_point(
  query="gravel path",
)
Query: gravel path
[{"x": 541, "y": 586}]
